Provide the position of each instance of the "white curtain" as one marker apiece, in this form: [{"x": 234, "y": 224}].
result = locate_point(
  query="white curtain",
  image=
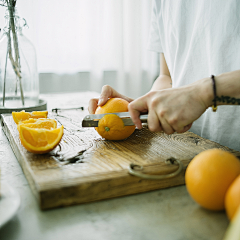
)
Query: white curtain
[{"x": 93, "y": 36}]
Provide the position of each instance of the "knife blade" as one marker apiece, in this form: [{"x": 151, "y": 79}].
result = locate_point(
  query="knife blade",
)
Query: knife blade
[{"x": 91, "y": 120}]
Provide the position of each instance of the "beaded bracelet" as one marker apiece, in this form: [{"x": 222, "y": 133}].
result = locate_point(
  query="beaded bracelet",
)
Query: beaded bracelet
[{"x": 214, "y": 106}]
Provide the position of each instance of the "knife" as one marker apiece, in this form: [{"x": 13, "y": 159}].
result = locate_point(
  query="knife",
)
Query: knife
[{"x": 92, "y": 119}]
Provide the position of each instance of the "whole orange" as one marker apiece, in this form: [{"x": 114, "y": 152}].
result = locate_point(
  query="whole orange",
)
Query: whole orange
[
  {"x": 111, "y": 127},
  {"x": 232, "y": 198},
  {"x": 209, "y": 175}
]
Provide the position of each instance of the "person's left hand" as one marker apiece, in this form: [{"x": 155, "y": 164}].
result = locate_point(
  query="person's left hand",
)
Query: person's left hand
[{"x": 106, "y": 93}]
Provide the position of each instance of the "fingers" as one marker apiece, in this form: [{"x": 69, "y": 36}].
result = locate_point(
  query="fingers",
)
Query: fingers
[
  {"x": 154, "y": 124},
  {"x": 92, "y": 106},
  {"x": 184, "y": 129},
  {"x": 135, "y": 108},
  {"x": 159, "y": 117},
  {"x": 106, "y": 93},
  {"x": 109, "y": 92},
  {"x": 144, "y": 104},
  {"x": 157, "y": 124},
  {"x": 166, "y": 127}
]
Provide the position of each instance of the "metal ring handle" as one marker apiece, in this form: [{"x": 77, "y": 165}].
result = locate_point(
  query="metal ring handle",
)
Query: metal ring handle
[{"x": 154, "y": 177}]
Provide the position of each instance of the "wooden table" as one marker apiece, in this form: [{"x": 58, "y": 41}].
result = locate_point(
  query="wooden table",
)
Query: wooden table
[{"x": 161, "y": 214}]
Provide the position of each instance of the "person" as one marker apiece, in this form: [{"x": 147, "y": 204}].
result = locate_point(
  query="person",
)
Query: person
[{"x": 199, "y": 46}]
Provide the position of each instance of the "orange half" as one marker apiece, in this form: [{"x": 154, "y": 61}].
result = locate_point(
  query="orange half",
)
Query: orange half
[{"x": 40, "y": 140}]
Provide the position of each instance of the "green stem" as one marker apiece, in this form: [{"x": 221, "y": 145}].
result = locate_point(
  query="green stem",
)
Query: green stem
[
  {"x": 4, "y": 83},
  {"x": 16, "y": 63},
  {"x": 107, "y": 129}
]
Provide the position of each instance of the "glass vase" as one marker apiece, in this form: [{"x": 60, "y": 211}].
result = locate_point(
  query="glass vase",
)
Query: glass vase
[{"x": 19, "y": 84}]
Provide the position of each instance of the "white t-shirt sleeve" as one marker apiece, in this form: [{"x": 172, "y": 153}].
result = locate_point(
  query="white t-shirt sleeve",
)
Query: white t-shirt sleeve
[{"x": 154, "y": 41}]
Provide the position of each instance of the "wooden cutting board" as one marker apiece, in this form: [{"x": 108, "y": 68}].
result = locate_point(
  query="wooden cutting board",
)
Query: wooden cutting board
[{"x": 85, "y": 167}]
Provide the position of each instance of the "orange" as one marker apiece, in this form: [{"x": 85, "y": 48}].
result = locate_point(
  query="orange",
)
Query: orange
[
  {"x": 30, "y": 120},
  {"x": 39, "y": 123},
  {"x": 111, "y": 126},
  {"x": 232, "y": 198},
  {"x": 21, "y": 116},
  {"x": 209, "y": 175},
  {"x": 40, "y": 140}
]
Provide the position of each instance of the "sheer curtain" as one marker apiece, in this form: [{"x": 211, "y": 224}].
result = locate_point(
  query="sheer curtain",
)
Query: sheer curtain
[{"x": 95, "y": 37}]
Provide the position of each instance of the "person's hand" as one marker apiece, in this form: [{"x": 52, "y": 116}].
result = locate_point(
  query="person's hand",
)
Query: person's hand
[
  {"x": 107, "y": 92},
  {"x": 170, "y": 110}
]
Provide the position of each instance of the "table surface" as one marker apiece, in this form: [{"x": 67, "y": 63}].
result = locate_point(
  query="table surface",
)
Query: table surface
[{"x": 161, "y": 214}]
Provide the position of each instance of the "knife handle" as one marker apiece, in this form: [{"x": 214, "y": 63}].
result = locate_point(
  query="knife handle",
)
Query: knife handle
[{"x": 143, "y": 118}]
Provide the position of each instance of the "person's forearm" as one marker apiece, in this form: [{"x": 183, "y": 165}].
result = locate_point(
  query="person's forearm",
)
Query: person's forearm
[
  {"x": 162, "y": 82},
  {"x": 227, "y": 89}
]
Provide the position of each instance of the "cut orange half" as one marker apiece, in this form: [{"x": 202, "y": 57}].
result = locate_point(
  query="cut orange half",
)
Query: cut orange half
[
  {"x": 46, "y": 123},
  {"x": 22, "y": 116},
  {"x": 40, "y": 140}
]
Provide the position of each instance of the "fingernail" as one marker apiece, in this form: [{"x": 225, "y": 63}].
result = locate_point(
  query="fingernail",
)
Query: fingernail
[
  {"x": 100, "y": 101},
  {"x": 139, "y": 126}
]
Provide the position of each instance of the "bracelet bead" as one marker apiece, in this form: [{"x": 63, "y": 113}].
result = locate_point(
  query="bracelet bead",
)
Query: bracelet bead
[{"x": 214, "y": 106}]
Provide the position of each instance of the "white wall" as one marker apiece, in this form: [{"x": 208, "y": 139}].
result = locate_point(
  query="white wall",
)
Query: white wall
[{"x": 105, "y": 38}]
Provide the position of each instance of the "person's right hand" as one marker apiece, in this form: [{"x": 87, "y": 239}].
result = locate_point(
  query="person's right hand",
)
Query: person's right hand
[
  {"x": 173, "y": 109},
  {"x": 106, "y": 93}
]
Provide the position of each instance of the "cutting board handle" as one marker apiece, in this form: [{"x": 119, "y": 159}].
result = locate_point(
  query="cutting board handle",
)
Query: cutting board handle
[{"x": 137, "y": 173}]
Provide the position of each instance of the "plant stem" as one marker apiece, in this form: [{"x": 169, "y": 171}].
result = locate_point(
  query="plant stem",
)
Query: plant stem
[
  {"x": 4, "y": 83},
  {"x": 16, "y": 63}
]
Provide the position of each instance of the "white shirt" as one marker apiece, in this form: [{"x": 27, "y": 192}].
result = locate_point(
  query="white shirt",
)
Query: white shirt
[{"x": 200, "y": 38}]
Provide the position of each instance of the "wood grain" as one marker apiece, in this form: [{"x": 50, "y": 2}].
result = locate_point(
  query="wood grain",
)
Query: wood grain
[{"x": 85, "y": 167}]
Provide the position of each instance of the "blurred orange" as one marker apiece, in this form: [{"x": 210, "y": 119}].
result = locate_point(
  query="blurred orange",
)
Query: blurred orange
[
  {"x": 232, "y": 199},
  {"x": 209, "y": 175}
]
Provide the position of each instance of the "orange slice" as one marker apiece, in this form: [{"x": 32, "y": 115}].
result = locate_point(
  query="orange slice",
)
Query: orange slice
[
  {"x": 30, "y": 120},
  {"x": 22, "y": 116},
  {"x": 39, "y": 123},
  {"x": 40, "y": 140}
]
